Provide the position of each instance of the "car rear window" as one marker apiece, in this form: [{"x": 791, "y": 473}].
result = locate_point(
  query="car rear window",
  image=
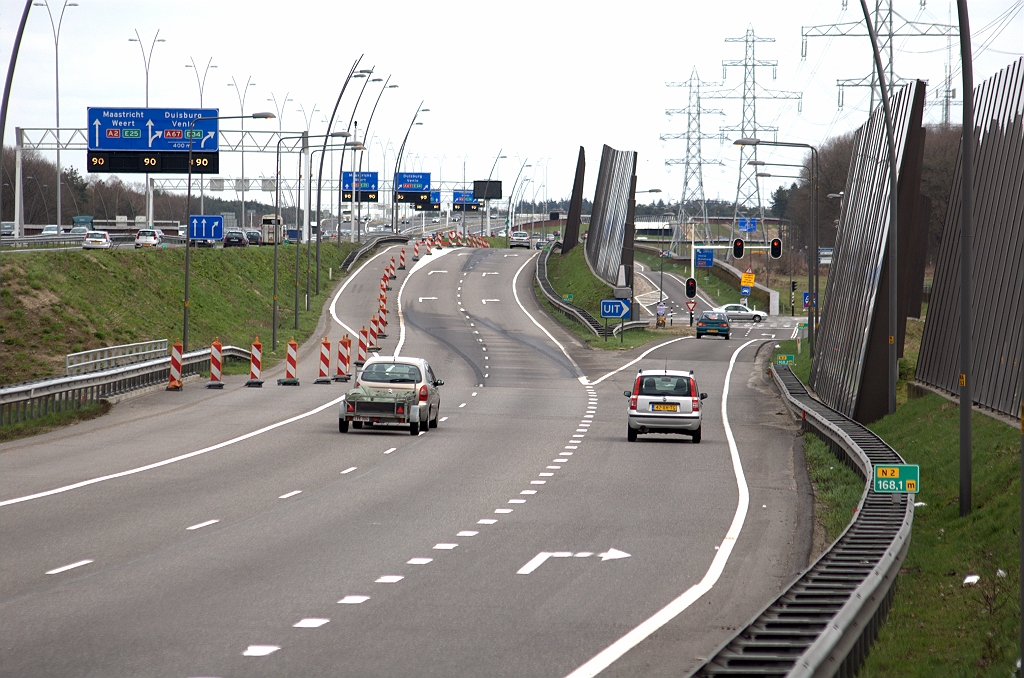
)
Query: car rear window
[
  {"x": 146, "y": 234},
  {"x": 520, "y": 234},
  {"x": 713, "y": 316},
  {"x": 391, "y": 373},
  {"x": 665, "y": 386}
]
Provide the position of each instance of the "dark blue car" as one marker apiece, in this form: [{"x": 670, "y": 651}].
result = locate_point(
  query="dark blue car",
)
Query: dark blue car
[{"x": 713, "y": 323}]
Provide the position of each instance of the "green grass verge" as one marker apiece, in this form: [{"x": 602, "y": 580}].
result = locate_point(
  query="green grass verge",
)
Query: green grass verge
[
  {"x": 55, "y": 303},
  {"x": 837, "y": 489},
  {"x": 50, "y": 422}
]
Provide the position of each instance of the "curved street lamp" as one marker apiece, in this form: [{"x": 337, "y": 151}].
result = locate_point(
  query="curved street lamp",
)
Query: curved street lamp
[
  {"x": 398, "y": 163},
  {"x": 55, "y": 27}
]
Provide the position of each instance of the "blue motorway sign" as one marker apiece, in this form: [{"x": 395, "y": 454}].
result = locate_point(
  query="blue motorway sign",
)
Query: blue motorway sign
[
  {"x": 747, "y": 225},
  {"x": 152, "y": 129},
  {"x": 206, "y": 227},
  {"x": 807, "y": 299},
  {"x": 705, "y": 258},
  {"x": 744, "y": 290},
  {"x": 435, "y": 197},
  {"x": 412, "y": 181},
  {"x": 615, "y": 308},
  {"x": 464, "y": 198},
  {"x": 367, "y": 181}
]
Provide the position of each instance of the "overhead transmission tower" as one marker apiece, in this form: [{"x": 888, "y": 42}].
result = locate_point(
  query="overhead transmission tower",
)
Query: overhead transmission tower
[
  {"x": 693, "y": 175},
  {"x": 748, "y": 193},
  {"x": 889, "y": 25}
]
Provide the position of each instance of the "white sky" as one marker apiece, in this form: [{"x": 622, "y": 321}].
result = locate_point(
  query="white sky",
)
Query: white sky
[{"x": 534, "y": 79}]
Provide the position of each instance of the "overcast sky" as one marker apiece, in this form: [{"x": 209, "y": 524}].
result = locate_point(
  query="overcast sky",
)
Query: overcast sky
[{"x": 535, "y": 80}]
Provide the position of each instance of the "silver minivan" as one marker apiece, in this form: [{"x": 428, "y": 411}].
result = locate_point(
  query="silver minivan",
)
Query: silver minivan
[{"x": 664, "y": 401}]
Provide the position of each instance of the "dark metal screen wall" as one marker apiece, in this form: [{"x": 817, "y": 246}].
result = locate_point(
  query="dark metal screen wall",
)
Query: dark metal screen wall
[
  {"x": 572, "y": 222},
  {"x": 607, "y": 232},
  {"x": 998, "y": 255},
  {"x": 849, "y": 372}
]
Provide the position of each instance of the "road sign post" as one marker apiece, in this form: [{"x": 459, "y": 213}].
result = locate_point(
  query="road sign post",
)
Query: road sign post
[
  {"x": 616, "y": 308},
  {"x": 691, "y": 305}
]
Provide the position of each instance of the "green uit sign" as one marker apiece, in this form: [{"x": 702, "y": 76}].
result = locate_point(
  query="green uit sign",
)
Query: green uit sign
[{"x": 898, "y": 478}]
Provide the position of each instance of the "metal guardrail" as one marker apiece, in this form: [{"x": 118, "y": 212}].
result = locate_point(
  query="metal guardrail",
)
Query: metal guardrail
[
  {"x": 34, "y": 399},
  {"x": 575, "y": 312},
  {"x": 354, "y": 255},
  {"x": 824, "y": 623},
  {"x": 113, "y": 356}
]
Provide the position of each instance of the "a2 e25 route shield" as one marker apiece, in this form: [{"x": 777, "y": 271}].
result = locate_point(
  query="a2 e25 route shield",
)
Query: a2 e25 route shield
[{"x": 152, "y": 129}]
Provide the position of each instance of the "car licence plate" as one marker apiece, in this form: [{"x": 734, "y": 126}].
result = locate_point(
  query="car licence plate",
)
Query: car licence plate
[
  {"x": 362, "y": 418},
  {"x": 665, "y": 407},
  {"x": 710, "y": 331}
]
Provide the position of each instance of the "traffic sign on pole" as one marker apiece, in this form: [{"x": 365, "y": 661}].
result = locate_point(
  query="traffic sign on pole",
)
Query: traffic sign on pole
[
  {"x": 690, "y": 305},
  {"x": 705, "y": 258},
  {"x": 206, "y": 227},
  {"x": 615, "y": 308}
]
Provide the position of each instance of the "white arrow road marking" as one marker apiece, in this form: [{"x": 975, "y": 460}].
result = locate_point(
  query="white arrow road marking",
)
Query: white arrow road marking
[
  {"x": 538, "y": 560},
  {"x": 428, "y": 298},
  {"x": 491, "y": 300},
  {"x": 433, "y": 272},
  {"x": 765, "y": 334}
]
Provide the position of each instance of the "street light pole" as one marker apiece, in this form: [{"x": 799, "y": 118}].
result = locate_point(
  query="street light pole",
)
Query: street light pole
[
  {"x": 398, "y": 163},
  {"x": 202, "y": 87},
  {"x": 147, "y": 60},
  {"x": 55, "y": 27},
  {"x": 188, "y": 211},
  {"x": 242, "y": 94},
  {"x": 511, "y": 197}
]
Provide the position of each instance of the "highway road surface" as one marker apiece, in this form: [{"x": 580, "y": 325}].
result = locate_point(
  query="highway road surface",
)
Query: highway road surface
[{"x": 238, "y": 533}]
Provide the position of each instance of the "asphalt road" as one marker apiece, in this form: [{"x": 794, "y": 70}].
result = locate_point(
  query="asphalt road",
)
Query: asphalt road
[{"x": 237, "y": 533}]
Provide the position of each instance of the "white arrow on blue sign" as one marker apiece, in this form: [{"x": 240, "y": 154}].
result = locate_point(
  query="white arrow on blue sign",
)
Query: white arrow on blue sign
[
  {"x": 206, "y": 227},
  {"x": 615, "y": 308}
]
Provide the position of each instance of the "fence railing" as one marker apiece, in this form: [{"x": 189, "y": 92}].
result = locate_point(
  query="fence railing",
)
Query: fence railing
[
  {"x": 355, "y": 254},
  {"x": 113, "y": 356},
  {"x": 31, "y": 400},
  {"x": 823, "y": 624}
]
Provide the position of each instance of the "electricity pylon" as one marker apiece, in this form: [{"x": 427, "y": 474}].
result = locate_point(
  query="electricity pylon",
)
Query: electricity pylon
[{"x": 693, "y": 175}]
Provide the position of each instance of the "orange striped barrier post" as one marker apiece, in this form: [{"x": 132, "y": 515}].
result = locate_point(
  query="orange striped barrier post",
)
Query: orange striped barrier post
[
  {"x": 373, "y": 333},
  {"x": 361, "y": 348},
  {"x": 175, "y": 382},
  {"x": 391, "y": 270},
  {"x": 255, "y": 365},
  {"x": 325, "y": 363},
  {"x": 216, "y": 362},
  {"x": 401, "y": 260},
  {"x": 382, "y": 320},
  {"x": 416, "y": 251},
  {"x": 290, "y": 365},
  {"x": 344, "y": 354}
]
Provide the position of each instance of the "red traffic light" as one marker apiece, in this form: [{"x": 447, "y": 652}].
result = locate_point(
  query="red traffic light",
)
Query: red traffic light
[
  {"x": 776, "y": 248},
  {"x": 691, "y": 288},
  {"x": 737, "y": 248}
]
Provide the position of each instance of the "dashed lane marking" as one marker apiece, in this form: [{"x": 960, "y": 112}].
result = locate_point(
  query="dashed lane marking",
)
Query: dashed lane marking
[
  {"x": 353, "y": 600},
  {"x": 348, "y": 470},
  {"x": 290, "y": 494},
  {"x": 260, "y": 650},
  {"x": 390, "y": 450},
  {"x": 311, "y": 623},
  {"x": 201, "y": 525},
  {"x": 419, "y": 561},
  {"x": 389, "y": 579},
  {"x": 72, "y": 566}
]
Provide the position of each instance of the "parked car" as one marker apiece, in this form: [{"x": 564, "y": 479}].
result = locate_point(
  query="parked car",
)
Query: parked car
[
  {"x": 393, "y": 391},
  {"x": 97, "y": 240},
  {"x": 147, "y": 238},
  {"x": 51, "y": 229},
  {"x": 519, "y": 239},
  {"x": 714, "y": 323},
  {"x": 235, "y": 239},
  {"x": 256, "y": 238},
  {"x": 741, "y": 312},
  {"x": 664, "y": 401}
]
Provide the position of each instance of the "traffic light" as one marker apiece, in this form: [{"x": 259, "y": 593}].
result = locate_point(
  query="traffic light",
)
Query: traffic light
[
  {"x": 691, "y": 288},
  {"x": 776, "y": 248},
  {"x": 792, "y": 286},
  {"x": 737, "y": 248}
]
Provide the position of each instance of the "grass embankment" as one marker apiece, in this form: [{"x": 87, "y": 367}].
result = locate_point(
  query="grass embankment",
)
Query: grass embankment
[
  {"x": 713, "y": 286},
  {"x": 55, "y": 303},
  {"x": 570, "y": 274},
  {"x": 937, "y": 626}
]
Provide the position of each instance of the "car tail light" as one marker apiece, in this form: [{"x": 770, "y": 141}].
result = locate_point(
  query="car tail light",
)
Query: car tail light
[
  {"x": 700, "y": 324},
  {"x": 423, "y": 393},
  {"x": 696, "y": 397},
  {"x": 636, "y": 392},
  {"x": 400, "y": 410}
]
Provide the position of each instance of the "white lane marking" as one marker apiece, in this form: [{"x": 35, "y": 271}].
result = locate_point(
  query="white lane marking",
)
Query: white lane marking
[
  {"x": 543, "y": 329},
  {"x": 486, "y": 521},
  {"x": 484, "y": 301},
  {"x": 566, "y": 454},
  {"x": 511, "y": 255},
  {"x": 613, "y": 554},
  {"x": 208, "y": 522},
  {"x": 503, "y": 510},
  {"x": 584, "y": 554},
  {"x": 490, "y": 273},
  {"x": 528, "y": 492},
  {"x": 389, "y": 578},
  {"x": 554, "y": 468},
  {"x": 517, "y": 501},
  {"x": 348, "y": 470},
  {"x": 428, "y": 298},
  {"x": 459, "y": 288},
  {"x": 390, "y": 450},
  {"x": 537, "y": 482},
  {"x": 419, "y": 561},
  {"x": 545, "y": 475},
  {"x": 534, "y": 563},
  {"x": 559, "y": 461},
  {"x": 562, "y": 554},
  {"x": 165, "y": 462},
  {"x": 69, "y": 567},
  {"x": 401, "y": 290},
  {"x": 473, "y": 393},
  {"x": 444, "y": 418},
  {"x": 310, "y": 623},
  {"x": 462, "y": 405},
  {"x": 290, "y": 494},
  {"x": 627, "y": 642},
  {"x": 467, "y": 533},
  {"x": 636, "y": 360},
  {"x": 260, "y": 650},
  {"x": 444, "y": 547},
  {"x": 581, "y": 430},
  {"x": 588, "y": 416},
  {"x": 486, "y": 375},
  {"x": 350, "y": 278},
  {"x": 353, "y": 600}
]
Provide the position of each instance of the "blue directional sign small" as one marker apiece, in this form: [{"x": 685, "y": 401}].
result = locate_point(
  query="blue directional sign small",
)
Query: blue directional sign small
[
  {"x": 615, "y": 308},
  {"x": 745, "y": 290},
  {"x": 464, "y": 198},
  {"x": 747, "y": 225},
  {"x": 152, "y": 129},
  {"x": 705, "y": 258},
  {"x": 367, "y": 181},
  {"x": 412, "y": 181},
  {"x": 807, "y": 299},
  {"x": 435, "y": 197},
  {"x": 206, "y": 227}
]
